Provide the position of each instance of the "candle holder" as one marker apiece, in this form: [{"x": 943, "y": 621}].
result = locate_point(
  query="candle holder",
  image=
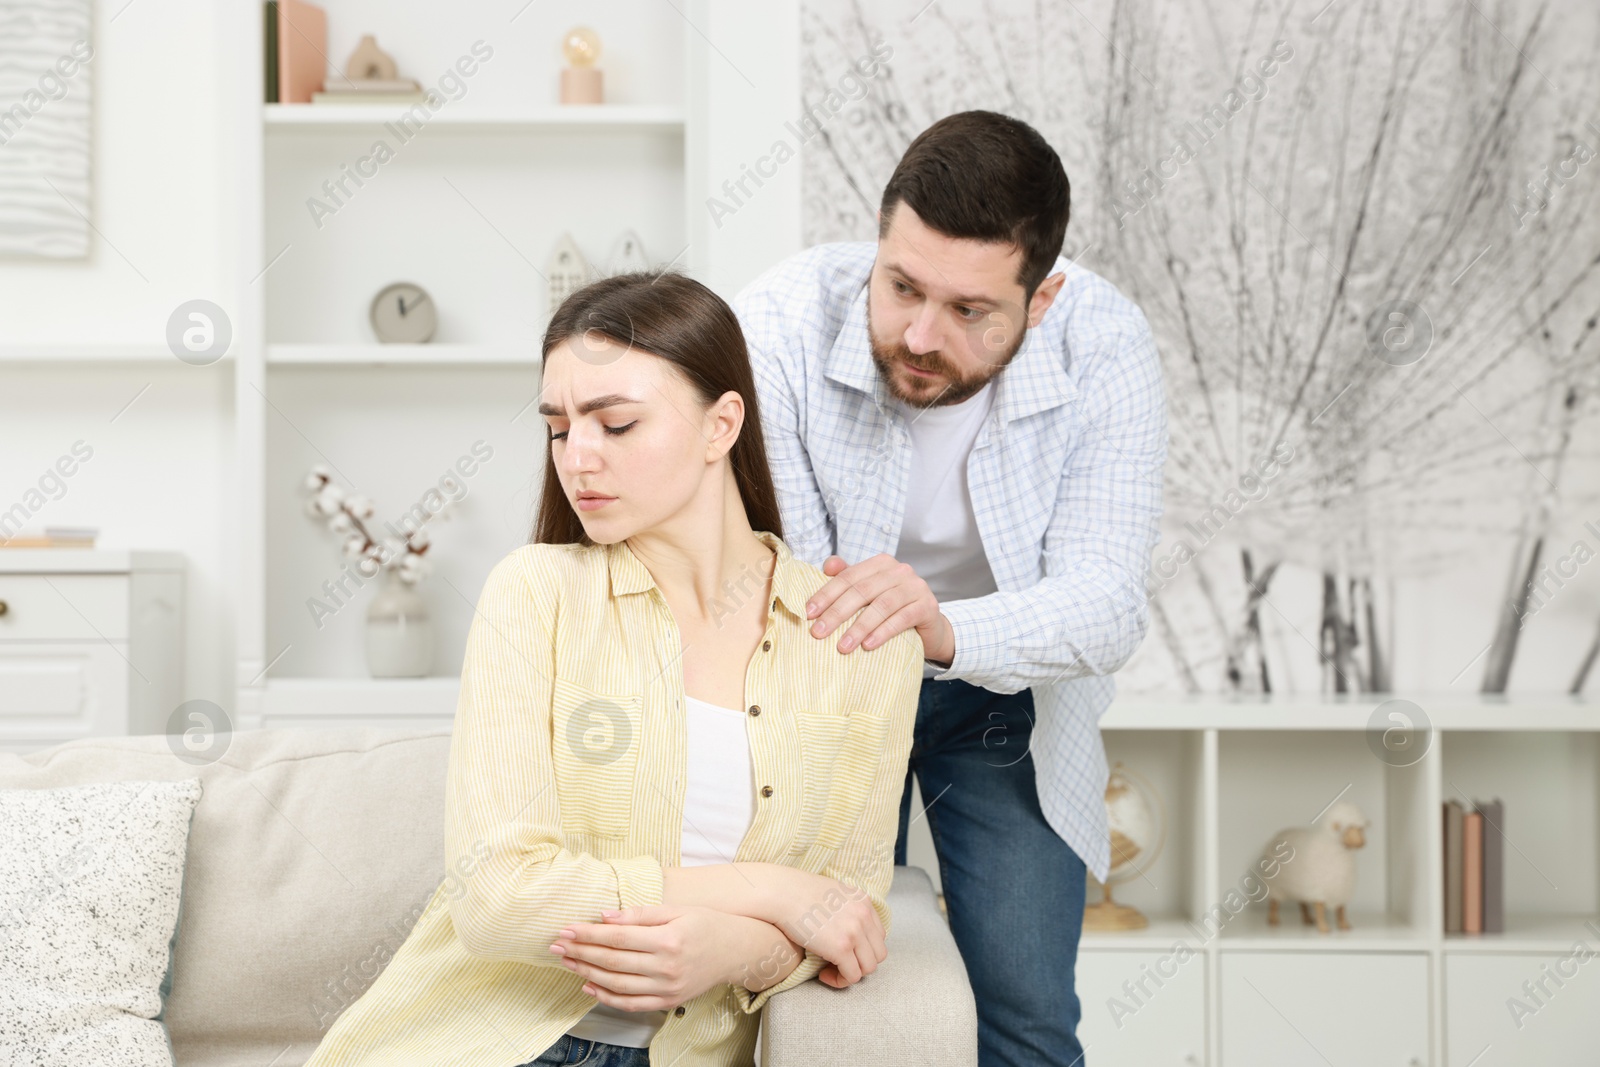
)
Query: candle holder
[{"x": 581, "y": 81}]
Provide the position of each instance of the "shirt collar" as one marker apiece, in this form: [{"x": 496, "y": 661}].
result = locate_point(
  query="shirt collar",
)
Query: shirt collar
[
  {"x": 791, "y": 584},
  {"x": 1036, "y": 379}
]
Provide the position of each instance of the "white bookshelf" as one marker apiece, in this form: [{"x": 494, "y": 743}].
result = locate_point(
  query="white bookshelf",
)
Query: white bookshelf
[
  {"x": 454, "y": 355},
  {"x": 1395, "y": 989},
  {"x": 324, "y": 702},
  {"x": 54, "y": 354},
  {"x": 470, "y": 206},
  {"x": 368, "y": 117}
]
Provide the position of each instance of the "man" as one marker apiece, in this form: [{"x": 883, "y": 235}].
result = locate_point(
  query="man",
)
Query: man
[{"x": 967, "y": 432}]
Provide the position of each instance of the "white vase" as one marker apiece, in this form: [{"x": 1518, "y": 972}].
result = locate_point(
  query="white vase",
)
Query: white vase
[{"x": 399, "y": 632}]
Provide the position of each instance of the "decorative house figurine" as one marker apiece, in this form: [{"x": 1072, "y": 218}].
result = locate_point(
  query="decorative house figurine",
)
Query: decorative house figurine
[
  {"x": 627, "y": 255},
  {"x": 1320, "y": 871},
  {"x": 581, "y": 82},
  {"x": 567, "y": 272}
]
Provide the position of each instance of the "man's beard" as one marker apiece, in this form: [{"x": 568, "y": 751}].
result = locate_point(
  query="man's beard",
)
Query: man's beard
[{"x": 932, "y": 392}]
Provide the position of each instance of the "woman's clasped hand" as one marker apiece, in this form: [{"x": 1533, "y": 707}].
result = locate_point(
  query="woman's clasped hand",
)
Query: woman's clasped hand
[{"x": 659, "y": 956}]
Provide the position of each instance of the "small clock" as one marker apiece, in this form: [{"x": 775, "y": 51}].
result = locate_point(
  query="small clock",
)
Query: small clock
[{"x": 403, "y": 313}]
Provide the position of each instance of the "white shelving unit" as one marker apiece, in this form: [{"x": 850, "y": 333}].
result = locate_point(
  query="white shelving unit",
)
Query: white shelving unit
[
  {"x": 369, "y": 117},
  {"x": 457, "y": 355},
  {"x": 1394, "y": 989},
  {"x": 52, "y": 354},
  {"x": 469, "y": 206}
]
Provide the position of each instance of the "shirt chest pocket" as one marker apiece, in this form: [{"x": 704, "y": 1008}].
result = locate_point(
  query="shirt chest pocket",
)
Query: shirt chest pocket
[
  {"x": 839, "y": 755},
  {"x": 595, "y": 740}
]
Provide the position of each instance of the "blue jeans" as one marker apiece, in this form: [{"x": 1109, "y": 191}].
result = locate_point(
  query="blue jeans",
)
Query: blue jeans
[
  {"x": 575, "y": 1050},
  {"x": 1013, "y": 889}
]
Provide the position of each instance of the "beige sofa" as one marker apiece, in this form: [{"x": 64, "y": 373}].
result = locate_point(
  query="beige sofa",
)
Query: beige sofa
[{"x": 313, "y": 851}]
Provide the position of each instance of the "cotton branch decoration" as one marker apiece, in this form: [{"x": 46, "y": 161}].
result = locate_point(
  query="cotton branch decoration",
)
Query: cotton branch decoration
[
  {"x": 349, "y": 514},
  {"x": 399, "y": 630}
]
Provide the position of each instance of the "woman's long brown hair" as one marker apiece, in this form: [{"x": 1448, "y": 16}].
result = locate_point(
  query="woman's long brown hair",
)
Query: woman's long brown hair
[{"x": 677, "y": 319}]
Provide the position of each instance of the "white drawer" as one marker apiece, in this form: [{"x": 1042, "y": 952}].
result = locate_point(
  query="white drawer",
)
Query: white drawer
[
  {"x": 1142, "y": 1009},
  {"x": 1310, "y": 1009},
  {"x": 1554, "y": 1025},
  {"x": 56, "y": 692},
  {"x": 64, "y": 607}
]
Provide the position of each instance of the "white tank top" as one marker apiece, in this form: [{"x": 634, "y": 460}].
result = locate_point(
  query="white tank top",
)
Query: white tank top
[{"x": 718, "y": 808}]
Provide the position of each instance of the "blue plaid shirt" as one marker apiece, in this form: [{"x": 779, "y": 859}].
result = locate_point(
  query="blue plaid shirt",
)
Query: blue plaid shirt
[{"x": 1065, "y": 479}]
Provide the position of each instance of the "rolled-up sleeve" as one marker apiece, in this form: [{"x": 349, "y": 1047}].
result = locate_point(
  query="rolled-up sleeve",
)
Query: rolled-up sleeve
[{"x": 518, "y": 883}]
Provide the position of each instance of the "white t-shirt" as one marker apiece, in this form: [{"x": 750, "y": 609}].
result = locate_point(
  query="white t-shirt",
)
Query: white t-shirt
[
  {"x": 939, "y": 536},
  {"x": 718, "y": 808}
]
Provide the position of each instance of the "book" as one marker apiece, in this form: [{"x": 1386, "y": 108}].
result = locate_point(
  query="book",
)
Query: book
[
  {"x": 302, "y": 46},
  {"x": 361, "y": 86},
  {"x": 1494, "y": 866},
  {"x": 270, "y": 36},
  {"x": 1453, "y": 814},
  {"x": 1472, "y": 873},
  {"x": 44, "y": 542}
]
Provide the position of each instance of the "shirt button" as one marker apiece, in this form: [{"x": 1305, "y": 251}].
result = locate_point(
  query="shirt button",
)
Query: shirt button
[
  {"x": 755, "y": 709},
  {"x": 766, "y": 646},
  {"x": 774, "y": 605},
  {"x": 766, "y": 790},
  {"x": 678, "y": 1011},
  {"x": 886, "y": 527}
]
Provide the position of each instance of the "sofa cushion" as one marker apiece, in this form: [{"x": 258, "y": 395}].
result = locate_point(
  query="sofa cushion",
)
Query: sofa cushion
[
  {"x": 89, "y": 903},
  {"x": 311, "y": 854}
]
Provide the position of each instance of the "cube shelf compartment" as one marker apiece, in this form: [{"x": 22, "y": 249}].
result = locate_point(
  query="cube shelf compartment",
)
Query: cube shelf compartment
[{"x": 1232, "y": 772}]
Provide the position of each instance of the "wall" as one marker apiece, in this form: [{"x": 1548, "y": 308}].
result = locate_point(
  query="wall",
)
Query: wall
[{"x": 161, "y": 432}]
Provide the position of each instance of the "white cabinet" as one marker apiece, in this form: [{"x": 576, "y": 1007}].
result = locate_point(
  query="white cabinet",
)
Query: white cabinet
[
  {"x": 1505, "y": 1010},
  {"x": 1142, "y": 1009},
  {"x": 1293, "y": 1009},
  {"x": 91, "y": 644}
]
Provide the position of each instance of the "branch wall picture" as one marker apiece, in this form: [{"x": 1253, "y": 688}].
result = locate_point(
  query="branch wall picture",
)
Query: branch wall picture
[
  {"x": 1367, "y": 238},
  {"x": 45, "y": 127}
]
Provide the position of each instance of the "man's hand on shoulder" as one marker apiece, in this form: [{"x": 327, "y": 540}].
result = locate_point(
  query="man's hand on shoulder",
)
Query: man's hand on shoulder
[{"x": 891, "y": 598}]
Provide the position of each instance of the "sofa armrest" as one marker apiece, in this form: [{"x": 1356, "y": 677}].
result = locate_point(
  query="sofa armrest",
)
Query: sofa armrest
[{"x": 915, "y": 1010}]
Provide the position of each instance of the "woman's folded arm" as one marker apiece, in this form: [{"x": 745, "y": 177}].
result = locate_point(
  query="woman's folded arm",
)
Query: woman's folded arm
[{"x": 517, "y": 883}]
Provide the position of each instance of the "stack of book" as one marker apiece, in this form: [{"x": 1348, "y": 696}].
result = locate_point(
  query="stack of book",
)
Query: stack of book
[
  {"x": 296, "y": 37},
  {"x": 1474, "y": 868},
  {"x": 54, "y": 537},
  {"x": 368, "y": 91}
]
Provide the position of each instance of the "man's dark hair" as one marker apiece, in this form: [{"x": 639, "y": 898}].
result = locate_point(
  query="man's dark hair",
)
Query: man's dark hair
[{"x": 989, "y": 177}]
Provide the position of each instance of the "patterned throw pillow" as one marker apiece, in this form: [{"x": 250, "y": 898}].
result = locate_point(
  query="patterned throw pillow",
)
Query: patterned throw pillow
[{"x": 90, "y": 883}]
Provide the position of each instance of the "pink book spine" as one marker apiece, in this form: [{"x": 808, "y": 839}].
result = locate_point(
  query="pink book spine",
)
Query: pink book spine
[{"x": 1472, "y": 873}]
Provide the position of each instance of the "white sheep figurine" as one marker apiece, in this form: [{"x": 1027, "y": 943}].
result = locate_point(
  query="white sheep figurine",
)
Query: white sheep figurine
[{"x": 1320, "y": 871}]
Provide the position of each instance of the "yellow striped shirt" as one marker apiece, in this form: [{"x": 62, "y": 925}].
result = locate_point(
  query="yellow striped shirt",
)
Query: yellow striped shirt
[{"x": 565, "y": 794}]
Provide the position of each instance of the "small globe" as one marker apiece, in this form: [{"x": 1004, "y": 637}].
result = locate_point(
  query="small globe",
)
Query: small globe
[
  {"x": 1136, "y": 822},
  {"x": 1135, "y": 832}
]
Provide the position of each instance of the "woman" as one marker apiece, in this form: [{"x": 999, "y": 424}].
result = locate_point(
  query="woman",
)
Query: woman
[{"x": 666, "y": 800}]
